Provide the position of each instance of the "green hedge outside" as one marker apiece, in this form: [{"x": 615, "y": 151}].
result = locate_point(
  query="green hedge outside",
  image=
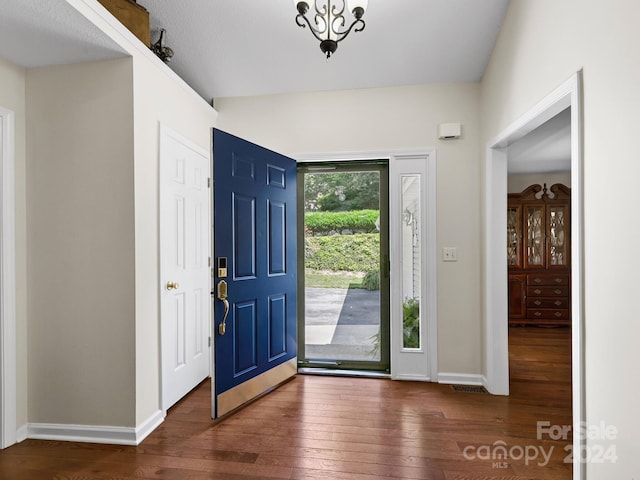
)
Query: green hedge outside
[
  {"x": 351, "y": 253},
  {"x": 355, "y": 220}
]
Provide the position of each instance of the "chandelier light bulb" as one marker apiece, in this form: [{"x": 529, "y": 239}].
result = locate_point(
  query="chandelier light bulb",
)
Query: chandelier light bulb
[
  {"x": 301, "y": 5},
  {"x": 328, "y": 22},
  {"x": 354, "y": 5}
]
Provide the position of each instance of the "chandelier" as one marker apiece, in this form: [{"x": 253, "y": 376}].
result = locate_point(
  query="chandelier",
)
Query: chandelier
[{"x": 328, "y": 24}]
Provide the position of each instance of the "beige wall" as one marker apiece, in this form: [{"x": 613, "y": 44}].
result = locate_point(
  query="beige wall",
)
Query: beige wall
[
  {"x": 81, "y": 244},
  {"x": 12, "y": 97},
  {"x": 94, "y": 322},
  {"x": 157, "y": 99},
  {"x": 395, "y": 118},
  {"x": 542, "y": 43}
]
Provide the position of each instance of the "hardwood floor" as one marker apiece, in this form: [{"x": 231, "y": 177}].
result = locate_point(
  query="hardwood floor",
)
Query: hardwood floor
[{"x": 344, "y": 428}]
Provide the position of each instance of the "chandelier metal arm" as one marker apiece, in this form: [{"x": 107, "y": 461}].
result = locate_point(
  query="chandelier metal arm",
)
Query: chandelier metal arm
[
  {"x": 303, "y": 22},
  {"x": 328, "y": 22},
  {"x": 344, "y": 34},
  {"x": 315, "y": 31}
]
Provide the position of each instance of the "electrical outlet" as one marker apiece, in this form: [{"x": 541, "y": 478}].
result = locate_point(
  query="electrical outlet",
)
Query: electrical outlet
[{"x": 449, "y": 254}]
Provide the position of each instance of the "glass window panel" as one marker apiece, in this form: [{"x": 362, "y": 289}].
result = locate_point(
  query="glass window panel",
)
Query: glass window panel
[{"x": 411, "y": 261}]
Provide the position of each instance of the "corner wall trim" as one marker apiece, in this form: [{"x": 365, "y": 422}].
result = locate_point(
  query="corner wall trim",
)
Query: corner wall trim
[
  {"x": 95, "y": 433},
  {"x": 8, "y": 327},
  {"x": 143, "y": 430},
  {"x": 21, "y": 433}
]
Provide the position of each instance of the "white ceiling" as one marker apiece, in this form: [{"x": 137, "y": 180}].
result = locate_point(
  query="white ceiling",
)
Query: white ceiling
[
  {"x": 247, "y": 47},
  {"x": 35, "y": 33},
  {"x": 545, "y": 149}
]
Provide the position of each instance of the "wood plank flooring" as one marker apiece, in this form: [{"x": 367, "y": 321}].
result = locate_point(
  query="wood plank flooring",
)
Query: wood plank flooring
[{"x": 344, "y": 428}]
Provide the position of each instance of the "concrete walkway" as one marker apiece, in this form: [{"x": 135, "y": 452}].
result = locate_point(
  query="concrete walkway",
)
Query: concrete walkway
[{"x": 341, "y": 323}]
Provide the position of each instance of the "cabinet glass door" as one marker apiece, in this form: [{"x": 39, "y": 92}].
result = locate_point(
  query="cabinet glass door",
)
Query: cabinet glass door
[
  {"x": 514, "y": 234},
  {"x": 558, "y": 238},
  {"x": 534, "y": 255}
]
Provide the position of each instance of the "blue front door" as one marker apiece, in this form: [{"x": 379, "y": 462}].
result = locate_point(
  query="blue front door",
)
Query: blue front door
[{"x": 255, "y": 241}]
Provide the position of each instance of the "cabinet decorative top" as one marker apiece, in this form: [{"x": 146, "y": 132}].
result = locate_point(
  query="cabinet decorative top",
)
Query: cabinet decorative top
[{"x": 557, "y": 191}]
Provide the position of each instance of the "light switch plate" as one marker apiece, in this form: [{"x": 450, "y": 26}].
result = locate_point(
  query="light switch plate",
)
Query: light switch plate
[{"x": 449, "y": 254}]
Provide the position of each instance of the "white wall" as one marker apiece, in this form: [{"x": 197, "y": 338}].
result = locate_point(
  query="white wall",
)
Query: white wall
[
  {"x": 542, "y": 43},
  {"x": 12, "y": 97},
  {"x": 80, "y": 244},
  {"x": 395, "y": 118}
]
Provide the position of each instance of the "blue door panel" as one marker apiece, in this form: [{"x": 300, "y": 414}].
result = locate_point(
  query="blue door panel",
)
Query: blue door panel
[
  {"x": 277, "y": 326},
  {"x": 245, "y": 337},
  {"x": 244, "y": 233},
  {"x": 255, "y": 230},
  {"x": 276, "y": 177},
  {"x": 277, "y": 238},
  {"x": 243, "y": 167}
]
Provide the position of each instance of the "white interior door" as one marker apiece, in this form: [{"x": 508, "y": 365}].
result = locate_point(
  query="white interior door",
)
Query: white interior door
[{"x": 184, "y": 270}]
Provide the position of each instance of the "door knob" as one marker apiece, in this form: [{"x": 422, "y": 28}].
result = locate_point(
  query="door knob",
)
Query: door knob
[{"x": 172, "y": 285}]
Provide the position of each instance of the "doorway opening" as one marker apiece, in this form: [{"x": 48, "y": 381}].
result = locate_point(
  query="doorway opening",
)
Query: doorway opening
[
  {"x": 343, "y": 272},
  {"x": 569, "y": 94},
  {"x": 539, "y": 260}
]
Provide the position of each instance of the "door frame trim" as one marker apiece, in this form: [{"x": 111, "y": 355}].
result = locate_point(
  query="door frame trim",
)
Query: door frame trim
[
  {"x": 428, "y": 153},
  {"x": 8, "y": 321},
  {"x": 569, "y": 94}
]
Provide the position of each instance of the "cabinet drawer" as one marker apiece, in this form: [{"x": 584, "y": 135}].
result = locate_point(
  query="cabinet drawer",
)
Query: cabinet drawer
[
  {"x": 547, "y": 279},
  {"x": 534, "y": 302},
  {"x": 547, "y": 291},
  {"x": 547, "y": 313}
]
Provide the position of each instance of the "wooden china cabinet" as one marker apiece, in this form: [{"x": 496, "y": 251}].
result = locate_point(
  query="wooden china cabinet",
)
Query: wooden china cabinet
[{"x": 539, "y": 256}]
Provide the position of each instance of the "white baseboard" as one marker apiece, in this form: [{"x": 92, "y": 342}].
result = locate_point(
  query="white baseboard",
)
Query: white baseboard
[
  {"x": 411, "y": 377},
  {"x": 461, "y": 378},
  {"x": 95, "y": 433}
]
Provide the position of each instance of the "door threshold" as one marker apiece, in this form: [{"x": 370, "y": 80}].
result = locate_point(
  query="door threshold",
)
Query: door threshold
[{"x": 342, "y": 373}]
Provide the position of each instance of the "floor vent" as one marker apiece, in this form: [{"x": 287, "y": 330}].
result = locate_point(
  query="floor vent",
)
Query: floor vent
[{"x": 469, "y": 388}]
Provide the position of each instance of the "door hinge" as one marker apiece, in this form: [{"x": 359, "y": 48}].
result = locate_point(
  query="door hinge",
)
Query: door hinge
[
  {"x": 209, "y": 341},
  {"x": 209, "y": 262},
  {"x": 209, "y": 182}
]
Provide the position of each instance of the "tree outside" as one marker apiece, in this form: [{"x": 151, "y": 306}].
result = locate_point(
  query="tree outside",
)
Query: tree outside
[
  {"x": 342, "y": 262},
  {"x": 342, "y": 237}
]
